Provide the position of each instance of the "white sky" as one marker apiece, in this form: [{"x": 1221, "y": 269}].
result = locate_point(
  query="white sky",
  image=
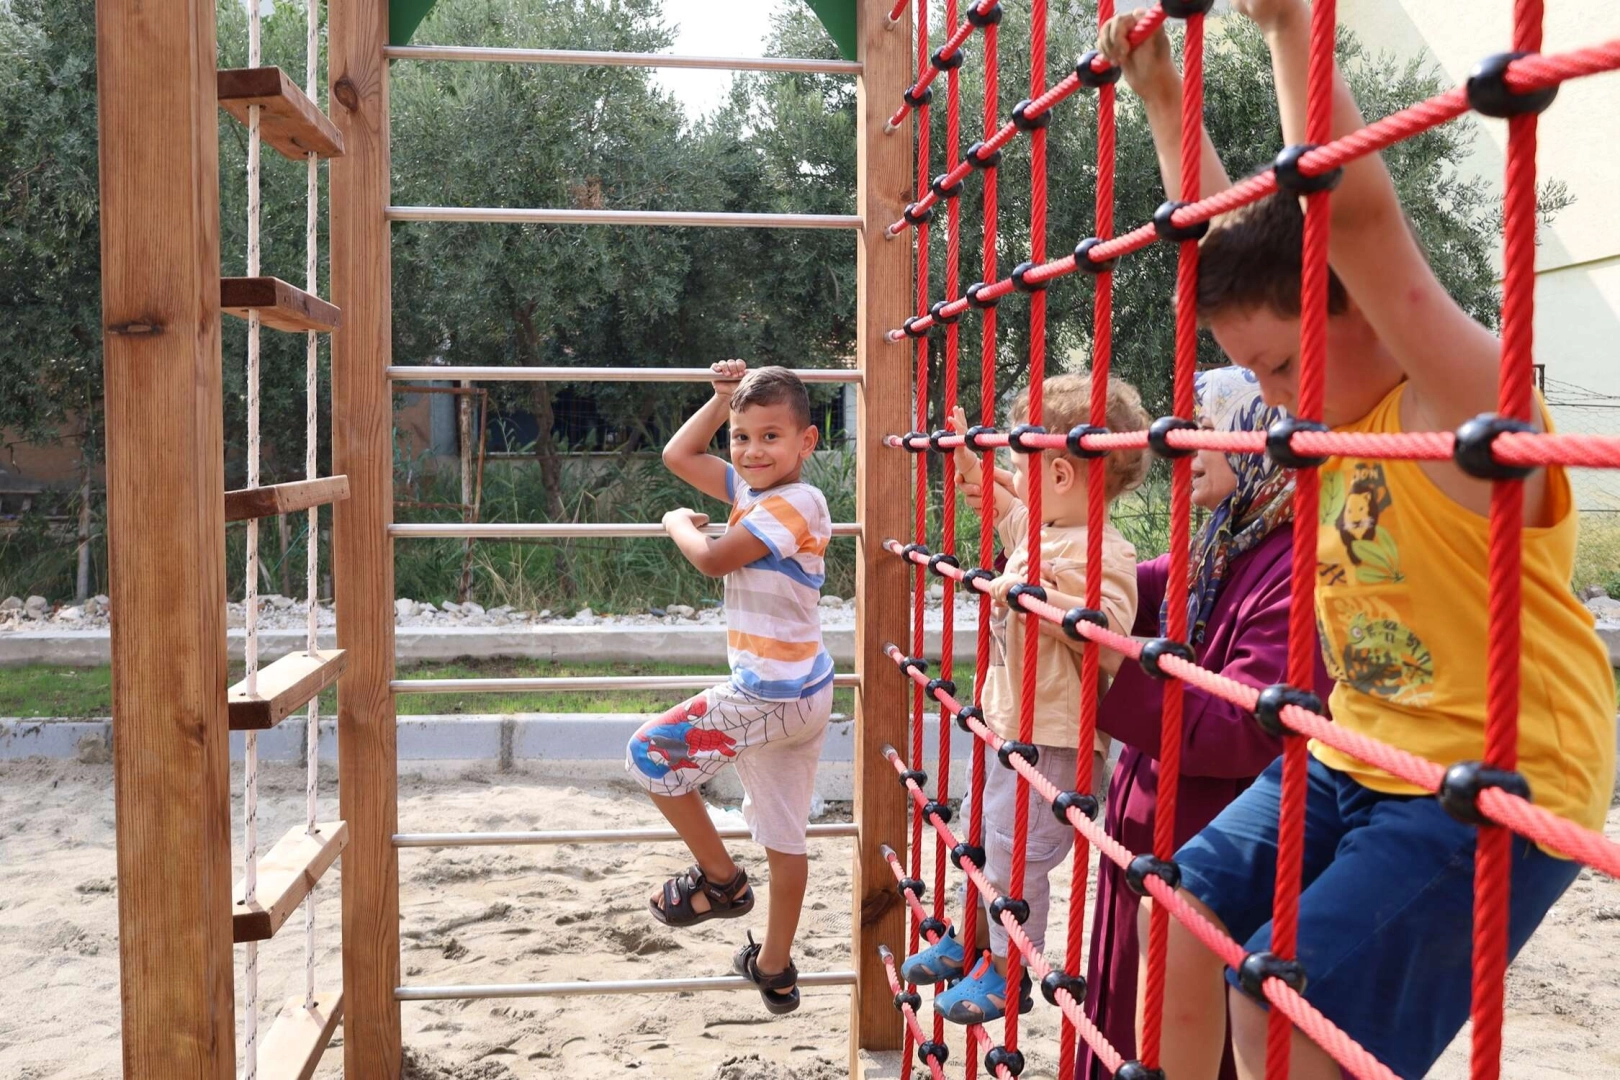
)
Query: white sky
[{"x": 713, "y": 28}]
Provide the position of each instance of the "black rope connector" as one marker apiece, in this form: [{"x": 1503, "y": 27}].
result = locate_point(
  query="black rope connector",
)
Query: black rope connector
[
  {"x": 1084, "y": 261},
  {"x": 1028, "y": 751},
  {"x": 1280, "y": 447},
  {"x": 977, "y": 158},
  {"x": 1020, "y": 278},
  {"x": 966, "y": 713},
  {"x": 913, "y": 549},
  {"x": 935, "y": 808},
  {"x": 1268, "y": 710},
  {"x": 1075, "y": 616},
  {"x": 1025, "y": 122},
  {"x": 934, "y": 438},
  {"x": 918, "y": 98},
  {"x": 1057, "y": 979},
  {"x": 1015, "y": 438},
  {"x": 941, "y": 316},
  {"x": 1257, "y": 967},
  {"x": 1000, "y": 1058},
  {"x": 1083, "y": 801},
  {"x": 1474, "y": 449},
  {"x": 947, "y": 63},
  {"x": 914, "y": 663},
  {"x": 931, "y": 1052},
  {"x": 914, "y": 776},
  {"x": 983, "y": 15},
  {"x": 1016, "y": 595},
  {"x": 1146, "y": 866},
  {"x": 1490, "y": 95},
  {"x": 914, "y": 886},
  {"x": 978, "y": 573},
  {"x": 974, "y": 299},
  {"x": 1135, "y": 1070},
  {"x": 918, "y": 215},
  {"x": 1158, "y": 436},
  {"x": 943, "y": 558},
  {"x": 970, "y": 439},
  {"x": 905, "y": 998},
  {"x": 1078, "y": 448},
  {"x": 1018, "y": 908},
  {"x": 1158, "y": 647},
  {"x": 1186, "y": 9},
  {"x": 946, "y": 191},
  {"x": 1090, "y": 77},
  {"x": 932, "y": 926},
  {"x": 964, "y": 852},
  {"x": 1290, "y": 179},
  {"x": 936, "y": 685},
  {"x": 1169, "y": 230},
  {"x": 1460, "y": 788},
  {"x": 911, "y": 329}
]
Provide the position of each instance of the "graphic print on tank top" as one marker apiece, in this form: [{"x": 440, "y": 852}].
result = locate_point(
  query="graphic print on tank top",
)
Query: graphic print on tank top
[{"x": 1363, "y": 603}]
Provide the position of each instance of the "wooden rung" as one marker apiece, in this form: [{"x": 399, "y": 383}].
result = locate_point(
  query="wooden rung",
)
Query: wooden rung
[
  {"x": 292, "y": 1048},
  {"x": 284, "y": 686},
  {"x": 287, "y": 873},
  {"x": 281, "y": 306},
  {"x": 288, "y": 120},
  {"x": 245, "y": 503}
]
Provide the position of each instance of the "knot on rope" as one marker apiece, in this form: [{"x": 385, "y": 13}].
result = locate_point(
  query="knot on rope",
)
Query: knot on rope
[
  {"x": 913, "y": 663},
  {"x": 1475, "y": 448},
  {"x": 933, "y": 1053},
  {"x": 1021, "y": 281},
  {"x": 1058, "y": 979},
  {"x": 914, "y": 886},
  {"x": 1490, "y": 95},
  {"x": 1024, "y": 591},
  {"x": 940, "y": 315},
  {"x": 971, "y": 439},
  {"x": 1028, "y": 751},
  {"x": 1280, "y": 446},
  {"x": 1083, "y": 259},
  {"x": 947, "y": 62},
  {"x": 1075, "y": 616},
  {"x": 1186, "y": 9},
  {"x": 974, "y": 297},
  {"x": 944, "y": 559},
  {"x": 1257, "y": 967},
  {"x": 1289, "y": 178},
  {"x": 1023, "y": 121},
  {"x": 1460, "y": 789},
  {"x": 934, "y": 808},
  {"x": 910, "y": 327},
  {"x": 907, "y": 999},
  {"x": 936, "y": 685},
  {"x": 966, "y": 713},
  {"x": 1135, "y": 1070},
  {"x": 913, "y": 776},
  {"x": 932, "y": 928},
  {"x": 1159, "y": 436},
  {"x": 1147, "y": 865},
  {"x": 978, "y": 574},
  {"x": 1268, "y": 709},
  {"x": 917, "y": 214},
  {"x": 977, "y": 157},
  {"x": 1000, "y": 1058},
  {"x": 1083, "y": 801},
  {"x": 1157, "y": 648},
  {"x": 1016, "y": 437},
  {"x": 964, "y": 852},
  {"x": 1011, "y": 905},
  {"x": 1090, "y": 77},
  {"x": 918, "y": 98},
  {"x": 982, "y": 14},
  {"x": 1075, "y": 443},
  {"x": 1168, "y": 230}
]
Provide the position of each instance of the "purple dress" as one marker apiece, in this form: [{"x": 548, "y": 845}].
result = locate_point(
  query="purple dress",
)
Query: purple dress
[{"x": 1222, "y": 751}]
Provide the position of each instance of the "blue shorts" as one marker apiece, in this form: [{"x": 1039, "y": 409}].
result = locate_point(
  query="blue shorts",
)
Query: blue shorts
[{"x": 1386, "y": 916}]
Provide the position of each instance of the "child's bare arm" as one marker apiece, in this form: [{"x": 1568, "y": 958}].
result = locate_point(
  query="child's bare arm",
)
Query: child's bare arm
[
  {"x": 687, "y": 452},
  {"x": 969, "y": 472},
  {"x": 713, "y": 556}
]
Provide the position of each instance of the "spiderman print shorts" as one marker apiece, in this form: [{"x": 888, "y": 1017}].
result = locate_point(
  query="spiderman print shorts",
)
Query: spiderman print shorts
[{"x": 775, "y": 746}]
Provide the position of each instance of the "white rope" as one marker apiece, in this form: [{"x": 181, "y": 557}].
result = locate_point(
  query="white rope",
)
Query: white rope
[
  {"x": 250, "y": 800},
  {"x": 312, "y": 723}
]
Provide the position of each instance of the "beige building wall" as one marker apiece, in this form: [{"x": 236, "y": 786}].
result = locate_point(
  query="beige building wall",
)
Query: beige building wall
[{"x": 1578, "y": 262}]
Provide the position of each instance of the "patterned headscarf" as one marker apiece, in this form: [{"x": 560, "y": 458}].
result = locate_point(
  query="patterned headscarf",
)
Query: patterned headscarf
[{"x": 1263, "y": 499}]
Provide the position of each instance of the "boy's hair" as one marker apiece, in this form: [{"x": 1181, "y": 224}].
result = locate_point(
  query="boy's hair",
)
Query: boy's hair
[
  {"x": 1252, "y": 260},
  {"x": 773, "y": 386},
  {"x": 1066, "y": 404}
]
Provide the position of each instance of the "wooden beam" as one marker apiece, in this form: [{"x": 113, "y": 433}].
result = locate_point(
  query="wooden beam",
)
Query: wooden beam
[
  {"x": 283, "y": 687},
  {"x": 883, "y": 498},
  {"x": 159, "y": 177},
  {"x": 281, "y": 306},
  {"x": 292, "y": 1048},
  {"x": 288, "y": 872},
  {"x": 244, "y": 503},
  {"x": 288, "y": 121},
  {"x": 362, "y": 552}
]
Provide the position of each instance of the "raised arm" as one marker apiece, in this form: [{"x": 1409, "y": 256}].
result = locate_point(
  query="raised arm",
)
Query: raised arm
[
  {"x": 687, "y": 452},
  {"x": 969, "y": 472}
]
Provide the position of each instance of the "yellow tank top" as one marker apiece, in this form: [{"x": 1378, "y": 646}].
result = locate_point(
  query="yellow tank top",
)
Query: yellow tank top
[{"x": 1401, "y": 606}]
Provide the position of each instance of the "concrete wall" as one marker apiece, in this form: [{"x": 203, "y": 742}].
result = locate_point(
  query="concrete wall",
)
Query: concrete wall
[{"x": 1578, "y": 264}]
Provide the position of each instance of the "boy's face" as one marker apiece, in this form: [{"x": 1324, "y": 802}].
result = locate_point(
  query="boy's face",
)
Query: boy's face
[
  {"x": 768, "y": 447},
  {"x": 1268, "y": 345}
]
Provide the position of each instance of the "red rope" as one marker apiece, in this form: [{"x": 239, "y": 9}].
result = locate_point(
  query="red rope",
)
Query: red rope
[
  {"x": 930, "y": 71},
  {"x": 913, "y": 903},
  {"x": 913, "y": 1028}
]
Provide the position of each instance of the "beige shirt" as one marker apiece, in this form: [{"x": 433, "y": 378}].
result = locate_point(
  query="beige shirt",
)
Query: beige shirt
[{"x": 1057, "y": 682}]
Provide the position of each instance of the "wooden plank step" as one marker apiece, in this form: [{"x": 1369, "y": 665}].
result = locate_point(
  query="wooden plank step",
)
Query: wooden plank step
[
  {"x": 281, "y": 306},
  {"x": 287, "y": 873},
  {"x": 288, "y": 120},
  {"x": 292, "y": 1048},
  {"x": 284, "y": 686},
  {"x": 273, "y": 499}
]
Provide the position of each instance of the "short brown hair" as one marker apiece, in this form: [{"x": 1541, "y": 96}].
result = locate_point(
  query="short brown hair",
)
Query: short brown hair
[
  {"x": 1066, "y": 404},
  {"x": 1252, "y": 259},
  {"x": 773, "y": 386}
]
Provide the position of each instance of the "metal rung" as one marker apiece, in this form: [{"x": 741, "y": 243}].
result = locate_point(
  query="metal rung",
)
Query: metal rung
[
  {"x": 596, "y": 374},
  {"x": 619, "y": 59},
  {"x": 681, "y": 218},
  {"x": 573, "y": 682},
  {"x": 628, "y": 986},
  {"x": 586, "y": 836},
  {"x": 559, "y": 531}
]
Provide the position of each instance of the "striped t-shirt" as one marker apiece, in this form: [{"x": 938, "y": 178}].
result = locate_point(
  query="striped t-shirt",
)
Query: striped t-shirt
[{"x": 773, "y": 627}]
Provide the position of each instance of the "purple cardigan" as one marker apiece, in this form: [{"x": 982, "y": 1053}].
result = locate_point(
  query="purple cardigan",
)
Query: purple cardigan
[{"x": 1222, "y": 751}]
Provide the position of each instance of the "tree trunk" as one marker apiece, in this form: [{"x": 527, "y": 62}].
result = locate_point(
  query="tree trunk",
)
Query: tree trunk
[
  {"x": 81, "y": 589},
  {"x": 285, "y": 536},
  {"x": 545, "y": 451}
]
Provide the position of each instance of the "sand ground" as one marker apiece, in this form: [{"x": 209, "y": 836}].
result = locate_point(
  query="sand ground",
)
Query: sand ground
[{"x": 572, "y": 912}]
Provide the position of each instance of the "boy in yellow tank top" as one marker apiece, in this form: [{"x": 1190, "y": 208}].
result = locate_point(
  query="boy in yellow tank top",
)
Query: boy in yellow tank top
[{"x": 1385, "y": 921}]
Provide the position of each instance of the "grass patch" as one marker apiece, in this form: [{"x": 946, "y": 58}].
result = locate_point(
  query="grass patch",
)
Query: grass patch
[{"x": 47, "y": 690}]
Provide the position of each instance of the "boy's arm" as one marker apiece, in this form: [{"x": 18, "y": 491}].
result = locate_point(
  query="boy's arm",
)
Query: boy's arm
[
  {"x": 713, "y": 556},
  {"x": 1150, "y": 71},
  {"x": 687, "y": 452},
  {"x": 969, "y": 474}
]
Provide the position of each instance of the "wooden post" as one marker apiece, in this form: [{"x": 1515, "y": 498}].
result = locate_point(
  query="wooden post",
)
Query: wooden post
[
  {"x": 362, "y": 553},
  {"x": 159, "y": 148},
  {"x": 883, "y": 288}
]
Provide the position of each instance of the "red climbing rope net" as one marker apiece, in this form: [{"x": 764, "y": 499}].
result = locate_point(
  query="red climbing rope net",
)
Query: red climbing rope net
[{"x": 1504, "y": 812}]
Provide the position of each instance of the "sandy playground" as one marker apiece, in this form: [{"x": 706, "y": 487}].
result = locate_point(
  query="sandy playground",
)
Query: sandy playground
[{"x": 559, "y": 913}]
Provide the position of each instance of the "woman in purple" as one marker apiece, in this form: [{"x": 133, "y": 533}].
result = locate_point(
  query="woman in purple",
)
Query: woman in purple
[{"x": 1238, "y": 625}]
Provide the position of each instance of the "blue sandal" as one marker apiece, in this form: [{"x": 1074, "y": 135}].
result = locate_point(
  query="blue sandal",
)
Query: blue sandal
[
  {"x": 942, "y": 961},
  {"x": 969, "y": 1000}
]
